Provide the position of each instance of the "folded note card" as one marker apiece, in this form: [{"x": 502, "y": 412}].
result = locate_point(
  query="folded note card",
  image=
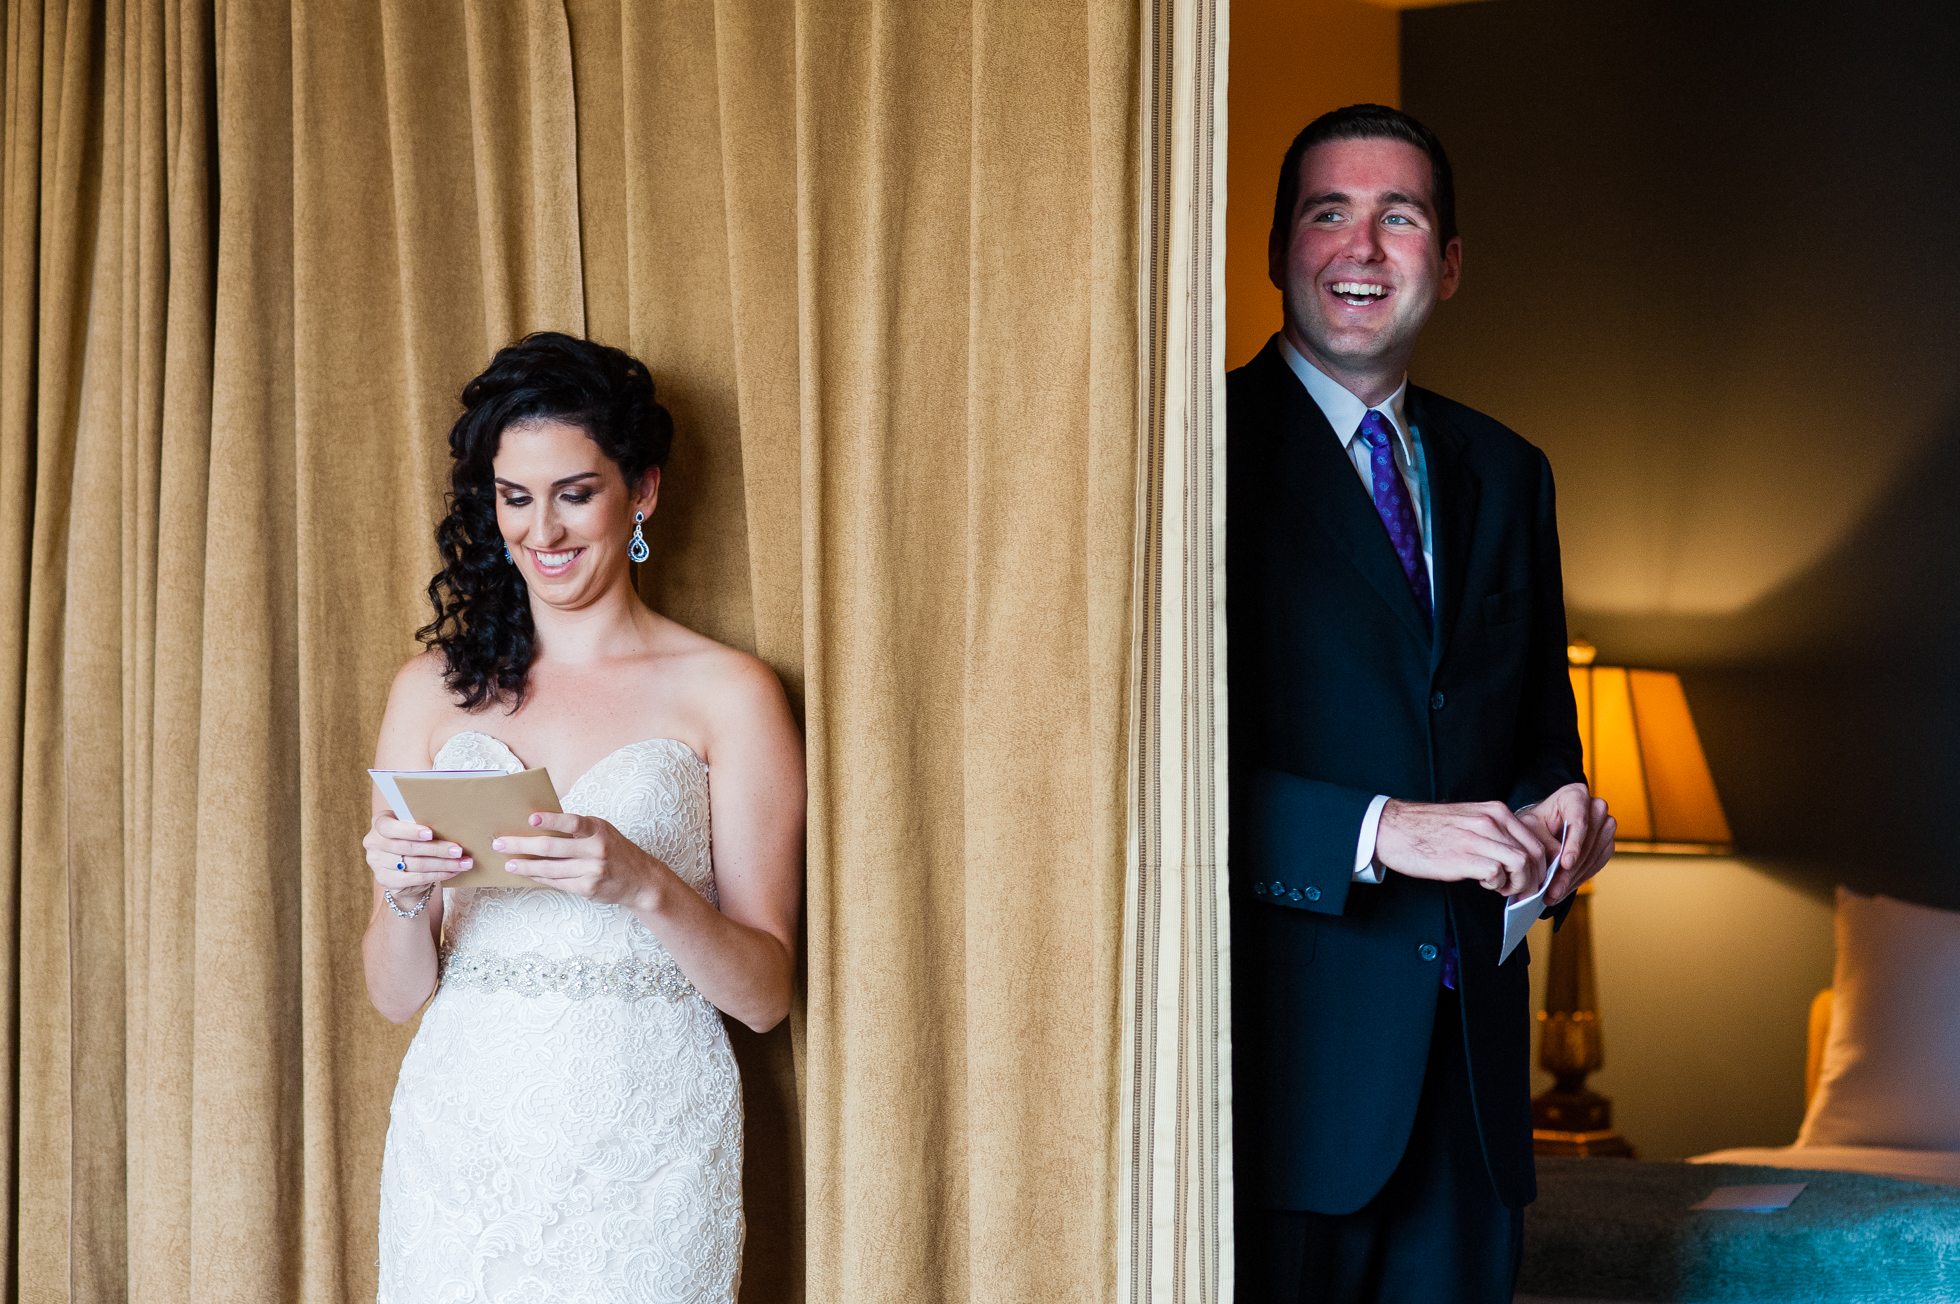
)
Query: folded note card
[
  {"x": 1522, "y": 911},
  {"x": 472, "y": 808},
  {"x": 1752, "y": 1199}
]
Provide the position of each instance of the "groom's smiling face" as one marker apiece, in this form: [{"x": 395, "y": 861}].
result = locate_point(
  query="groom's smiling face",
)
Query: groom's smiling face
[{"x": 1362, "y": 265}]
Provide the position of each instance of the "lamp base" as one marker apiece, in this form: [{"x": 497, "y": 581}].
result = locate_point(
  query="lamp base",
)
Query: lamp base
[
  {"x": 1576, "y": 1123},
  {"x": 1581, "y": 1145}
]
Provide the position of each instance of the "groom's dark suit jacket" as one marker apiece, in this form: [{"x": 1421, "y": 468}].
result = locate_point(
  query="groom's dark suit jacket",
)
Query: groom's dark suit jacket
[{"x": 1339, "y": 693}]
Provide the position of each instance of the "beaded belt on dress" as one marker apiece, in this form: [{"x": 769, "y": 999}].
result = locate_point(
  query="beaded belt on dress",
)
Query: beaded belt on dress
[{"x": 533, "y": 974}]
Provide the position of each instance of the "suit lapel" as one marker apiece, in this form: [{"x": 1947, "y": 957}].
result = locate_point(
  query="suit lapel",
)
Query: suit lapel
[
  {"x": 1453, "y": 495},
  {"x": 1314, "y": 471}
]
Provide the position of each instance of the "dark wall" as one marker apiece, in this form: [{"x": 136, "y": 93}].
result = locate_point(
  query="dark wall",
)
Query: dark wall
[{"x": 1712, "y": 267}]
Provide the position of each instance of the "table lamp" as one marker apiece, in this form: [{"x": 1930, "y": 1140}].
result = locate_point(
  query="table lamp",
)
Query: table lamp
[{"x": 1643, "y": 756}]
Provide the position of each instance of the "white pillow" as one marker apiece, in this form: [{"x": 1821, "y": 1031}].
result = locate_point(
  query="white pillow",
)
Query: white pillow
[{"x": 1892, "y": 1062}]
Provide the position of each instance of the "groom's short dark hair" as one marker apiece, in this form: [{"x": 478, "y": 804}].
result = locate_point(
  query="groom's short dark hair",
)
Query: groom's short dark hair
[{"x": 1367, "y": 122}]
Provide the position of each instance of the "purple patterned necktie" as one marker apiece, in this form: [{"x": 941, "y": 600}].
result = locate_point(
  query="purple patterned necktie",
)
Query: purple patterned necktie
[
  {"x": 1392, "y": 504},
  {"x": 1399, "y": 518}
]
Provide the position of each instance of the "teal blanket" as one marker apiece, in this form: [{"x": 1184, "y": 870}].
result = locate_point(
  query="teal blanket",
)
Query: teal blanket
[{"x": 1622, "y": 1230}]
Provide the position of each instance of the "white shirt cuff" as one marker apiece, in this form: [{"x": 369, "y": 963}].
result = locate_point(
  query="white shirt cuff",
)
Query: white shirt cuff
[{"x": 1365, "y": 868}]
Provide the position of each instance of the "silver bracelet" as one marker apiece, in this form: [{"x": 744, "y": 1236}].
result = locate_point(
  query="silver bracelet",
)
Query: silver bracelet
[{"x": 420, "y": 906}]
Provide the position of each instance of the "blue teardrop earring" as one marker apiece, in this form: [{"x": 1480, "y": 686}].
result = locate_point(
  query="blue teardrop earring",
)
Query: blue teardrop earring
[
  {"x": 637, "y": 549},
  {"x": 507, "y": 554}
]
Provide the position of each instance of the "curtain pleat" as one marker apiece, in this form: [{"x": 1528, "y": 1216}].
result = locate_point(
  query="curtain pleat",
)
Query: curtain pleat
[
  {"x": 882, "y": 259},
  {"x": 1049, "y": 520},
  {"x": 20, "y": 199},
  {"x": 243, "y": 873},
  {"x": 965, "y": 241},
  {"x": 1174, "y": 1228},
  {"x": 164, "y": 861}
]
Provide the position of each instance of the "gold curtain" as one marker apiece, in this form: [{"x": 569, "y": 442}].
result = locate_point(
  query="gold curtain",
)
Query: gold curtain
[
  {"x": 1174, "y": 1215},
  {"x": 882, "y": 258}
]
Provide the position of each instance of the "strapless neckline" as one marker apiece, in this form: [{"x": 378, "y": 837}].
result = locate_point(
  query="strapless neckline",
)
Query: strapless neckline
[{"x": 591, "y": 769}]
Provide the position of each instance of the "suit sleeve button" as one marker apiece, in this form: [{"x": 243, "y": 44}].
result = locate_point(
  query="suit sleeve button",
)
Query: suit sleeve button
[
  {"x": 1260, "y": 888},
  {"x": 1294, "y": 894},
  {"x": 1313, "y": 894},
  {"x": 1436, "y": 700},
  {"x": 1426, "y": 951},
  {"x": 1279, "y": 888}
]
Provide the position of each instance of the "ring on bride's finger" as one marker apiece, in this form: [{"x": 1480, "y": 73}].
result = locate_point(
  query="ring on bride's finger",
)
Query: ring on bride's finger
[{"x": 401, "y": 865}]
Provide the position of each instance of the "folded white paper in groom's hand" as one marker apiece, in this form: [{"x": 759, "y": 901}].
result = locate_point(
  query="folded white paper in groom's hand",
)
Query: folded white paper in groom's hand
[{"x": 1521, "y": 912}]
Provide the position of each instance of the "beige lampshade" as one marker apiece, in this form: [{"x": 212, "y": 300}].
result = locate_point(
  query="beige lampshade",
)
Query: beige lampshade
[{"x": 1643, "y": 756}]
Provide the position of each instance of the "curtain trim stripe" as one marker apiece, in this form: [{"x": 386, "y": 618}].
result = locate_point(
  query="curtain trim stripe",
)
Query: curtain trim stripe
[{"x": 1175, "y": 1238}]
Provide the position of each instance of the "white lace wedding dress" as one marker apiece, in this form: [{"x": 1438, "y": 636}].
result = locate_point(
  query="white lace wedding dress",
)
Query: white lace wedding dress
[{"x": 568, "y": 1121}]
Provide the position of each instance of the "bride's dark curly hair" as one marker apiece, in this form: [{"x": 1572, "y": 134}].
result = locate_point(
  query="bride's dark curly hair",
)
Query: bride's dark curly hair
[{"x": 483, "y": 612}]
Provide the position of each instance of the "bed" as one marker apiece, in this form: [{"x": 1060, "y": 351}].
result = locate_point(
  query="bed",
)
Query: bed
[
  {"x": 1622, "y": 1230},
  {"x": 1879, "y": 1218}
]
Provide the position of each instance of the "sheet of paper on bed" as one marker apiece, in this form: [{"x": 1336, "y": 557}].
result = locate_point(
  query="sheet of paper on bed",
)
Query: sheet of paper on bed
[
  {"x": 1521, "y": 912},
  {"x": 1752, "y": 1199}
]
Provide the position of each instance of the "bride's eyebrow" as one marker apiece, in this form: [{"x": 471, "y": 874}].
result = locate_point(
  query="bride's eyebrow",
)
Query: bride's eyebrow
[{"x": 555, "y": 484}]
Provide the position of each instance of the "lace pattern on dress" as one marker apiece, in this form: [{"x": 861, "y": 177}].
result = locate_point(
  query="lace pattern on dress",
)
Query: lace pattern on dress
[{"x": 545, "y": 1145}]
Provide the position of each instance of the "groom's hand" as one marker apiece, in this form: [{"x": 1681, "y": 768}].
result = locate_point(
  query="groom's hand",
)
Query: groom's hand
[
  {"x": 1574, "y": 815},
  {"x": 1483, "y": 842}
]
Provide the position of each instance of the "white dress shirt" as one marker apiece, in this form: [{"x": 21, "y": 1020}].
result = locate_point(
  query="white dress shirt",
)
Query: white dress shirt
[{"x": 1344, "y": 412}]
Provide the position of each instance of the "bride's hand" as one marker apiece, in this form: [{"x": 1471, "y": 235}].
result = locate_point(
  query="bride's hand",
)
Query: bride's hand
[
  {"x": 421, "y": 859},
  {"x": 596, "y": 861}
]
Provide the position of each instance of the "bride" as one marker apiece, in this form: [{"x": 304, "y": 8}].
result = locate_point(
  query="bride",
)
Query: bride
[{"x": 568, "y": 1121}]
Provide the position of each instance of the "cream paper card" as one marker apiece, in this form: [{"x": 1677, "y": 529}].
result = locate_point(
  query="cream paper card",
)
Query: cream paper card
[
  {"x": 472, "y": 808},
  {"x": 1522, "y": 911}
]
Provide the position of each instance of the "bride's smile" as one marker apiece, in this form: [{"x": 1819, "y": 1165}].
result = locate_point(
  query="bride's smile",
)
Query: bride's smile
[
  {"x": 565, "y": 512},
  {"x": 556, "y": 563}
]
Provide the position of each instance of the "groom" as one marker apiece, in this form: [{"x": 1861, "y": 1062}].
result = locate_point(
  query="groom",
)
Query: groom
[{"x": 1404, "y": 756}]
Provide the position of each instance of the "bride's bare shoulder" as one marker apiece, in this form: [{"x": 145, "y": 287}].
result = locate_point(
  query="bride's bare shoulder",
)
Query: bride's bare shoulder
[
  {"x": 421, "y": 690},
  {"x": 422, "y": 676},
  {"x": 419, "y": 701},
  {"x": 722, "y": 678}
]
